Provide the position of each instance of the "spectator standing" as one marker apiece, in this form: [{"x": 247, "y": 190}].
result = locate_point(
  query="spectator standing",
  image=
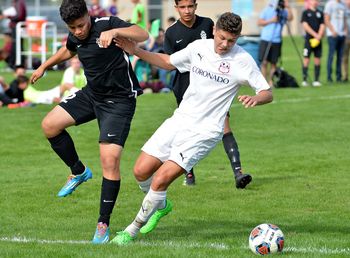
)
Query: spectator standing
[
  {"x": 334, "y": 15},
  {"x": 113, "y": 8},
  {"x": 96, "y": 9},
  {"x": 73, "y": 80},
  {"x": 20, "y": 15},
  {"x": 5, "y": 51},
  {"x": 170, "y": 21},
  {"x": 272, "y": 19},
  {"x": 345, "y": 61},
  {"x": 313, "y": 24},
  {"x": 139, "y": 14}
]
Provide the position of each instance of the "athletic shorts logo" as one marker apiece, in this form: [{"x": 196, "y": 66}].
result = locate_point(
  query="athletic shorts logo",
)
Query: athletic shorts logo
[
  {"x": 178, "y": 41},
  {"x": 111, "y": 135},
  {"x": 182, "y": 156}
]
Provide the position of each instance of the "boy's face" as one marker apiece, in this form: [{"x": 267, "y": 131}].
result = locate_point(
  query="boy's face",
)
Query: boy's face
[
  {"x": 23, "y": 85},
  {"x": 20, "y": 71},
  {"x": 75, "y": 64},
  {"x": 224, "y": 41},
  {"x": 186, "y": 10},
  {"x": 314, "y": 3},
  {"x": 80, "y": 28}
]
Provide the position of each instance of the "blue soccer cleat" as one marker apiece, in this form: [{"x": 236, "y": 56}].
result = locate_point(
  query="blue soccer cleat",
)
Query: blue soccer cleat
[
  {"x": 101, "y": 234},
  {"x": 73, "y": 182}
]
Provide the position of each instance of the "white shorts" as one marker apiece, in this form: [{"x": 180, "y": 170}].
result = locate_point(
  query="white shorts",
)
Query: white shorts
[
  {"x": 174, "y": 140},
  {"x": 48, "y": 96}
]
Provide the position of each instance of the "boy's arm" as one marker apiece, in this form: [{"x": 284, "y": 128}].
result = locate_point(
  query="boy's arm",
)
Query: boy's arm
[
  {"x": 61, "y": 55},
  {"x": 263, "y": 97},
  {"x": 310, "y": 31},
  {"x": 157, "y": 59},
  {"x": 133, "y": 32}
]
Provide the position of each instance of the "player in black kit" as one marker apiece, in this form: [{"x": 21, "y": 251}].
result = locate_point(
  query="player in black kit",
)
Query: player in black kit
[
  {"x": 313, "y": 24},
  {"x": 109, "y": 96},
  {"x": 187, "y": 29}
]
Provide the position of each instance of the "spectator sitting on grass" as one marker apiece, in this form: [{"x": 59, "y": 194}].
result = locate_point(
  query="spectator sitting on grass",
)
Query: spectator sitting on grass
[{"x": 73, "y": 80}]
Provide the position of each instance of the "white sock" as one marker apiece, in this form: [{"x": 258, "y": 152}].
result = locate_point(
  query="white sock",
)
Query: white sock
[
  {"x": 145, "y": 185},
  {"x": 151, "y": 203}
]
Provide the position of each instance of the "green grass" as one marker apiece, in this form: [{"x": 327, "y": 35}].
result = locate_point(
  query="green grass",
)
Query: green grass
[{"x": 296, "y": 149}]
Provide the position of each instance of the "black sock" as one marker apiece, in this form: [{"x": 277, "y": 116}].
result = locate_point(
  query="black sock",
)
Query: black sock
[
  {"x": 63, "y": 145},
  {"x": 317, "y": 72},
  {"x": 305, "y": 69},
  {"x": 190, "y": 172},
  {"x": 109, "y": 194},
  {"x": 232, "y": 152}
]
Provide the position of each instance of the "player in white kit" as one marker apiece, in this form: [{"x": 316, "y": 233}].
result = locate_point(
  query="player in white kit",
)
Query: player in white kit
[{"x": 218, "y": 67}]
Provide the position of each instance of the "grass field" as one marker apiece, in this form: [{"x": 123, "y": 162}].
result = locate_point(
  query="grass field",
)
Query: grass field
[{"x": 297, "y": 150}]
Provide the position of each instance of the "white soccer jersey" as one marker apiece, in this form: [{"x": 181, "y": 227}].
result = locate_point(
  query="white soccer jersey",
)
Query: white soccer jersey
[{"x": 214, "y": 82}]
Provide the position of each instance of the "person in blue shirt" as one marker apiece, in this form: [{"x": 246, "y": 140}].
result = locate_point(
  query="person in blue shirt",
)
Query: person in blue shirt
[{"x": 272, "y": 19}]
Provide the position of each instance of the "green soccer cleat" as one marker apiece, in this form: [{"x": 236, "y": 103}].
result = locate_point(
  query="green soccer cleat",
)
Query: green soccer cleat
[
  {"x": 154, "y": 219},
  {"x": 122, "y": 238}
]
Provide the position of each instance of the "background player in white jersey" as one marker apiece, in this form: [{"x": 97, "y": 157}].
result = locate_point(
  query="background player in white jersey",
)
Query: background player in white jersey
[
  {"x": 187, "y": 29},
  {"x": 109, "y": 97},
  {"x": 217, "y": 69}
]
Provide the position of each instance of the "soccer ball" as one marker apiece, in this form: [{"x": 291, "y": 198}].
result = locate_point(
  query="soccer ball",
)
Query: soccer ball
[{"x": 266, "y": 239}]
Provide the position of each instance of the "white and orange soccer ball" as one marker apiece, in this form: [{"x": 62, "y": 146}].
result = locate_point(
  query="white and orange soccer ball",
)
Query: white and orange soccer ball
[{"x": 266, "y": 239}]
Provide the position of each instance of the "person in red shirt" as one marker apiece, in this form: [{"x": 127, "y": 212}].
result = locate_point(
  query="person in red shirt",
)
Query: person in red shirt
[
  {"x": 96, "y": 9},
  {"x": 20, "y": 15}
]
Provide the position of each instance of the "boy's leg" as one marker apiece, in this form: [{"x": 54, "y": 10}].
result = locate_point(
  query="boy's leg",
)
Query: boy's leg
[
  {"x": 144, "y": 168},
  {"x": 112, "y": 139},
  {"x": 231, "y": 148},
  {"x": 110, "y": 160},
  {"x": 154, "y": 201},
  {"x": 53, "y": 126}
]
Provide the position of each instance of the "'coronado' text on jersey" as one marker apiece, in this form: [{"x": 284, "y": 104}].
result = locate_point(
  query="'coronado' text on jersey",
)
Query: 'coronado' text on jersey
[{"x": 210, "y": 75}]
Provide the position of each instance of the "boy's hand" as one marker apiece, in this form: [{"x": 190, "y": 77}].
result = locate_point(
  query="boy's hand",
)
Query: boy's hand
[
  {"x": 126, "y": 44},
  {"x": 37, "y": 74}
]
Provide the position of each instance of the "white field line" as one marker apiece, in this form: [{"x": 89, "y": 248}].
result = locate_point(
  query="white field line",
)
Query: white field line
[
  {"x": 218, "y": 246},
  {"x": 298, "y": 100}
]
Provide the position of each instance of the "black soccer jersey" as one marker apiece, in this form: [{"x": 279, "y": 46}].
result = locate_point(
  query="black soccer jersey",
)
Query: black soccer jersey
[
  {"x": 177, "y": 37},
  {"x": 108, "y": 70},
  {"x": 314, "y": 19}
]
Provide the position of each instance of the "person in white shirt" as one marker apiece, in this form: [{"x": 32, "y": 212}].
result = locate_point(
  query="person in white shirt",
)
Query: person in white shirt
[
  {"x": 218, "y": 67},
  {"x": 73, "y": 80},
  {"x": 334, "y": 18}
]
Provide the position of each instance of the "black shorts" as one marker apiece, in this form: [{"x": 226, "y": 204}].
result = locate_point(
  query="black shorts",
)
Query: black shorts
[
  {"x": 308, "y": 49},
  {"x": 271, "y": 54},
  {"x": 113, "y": 114}
]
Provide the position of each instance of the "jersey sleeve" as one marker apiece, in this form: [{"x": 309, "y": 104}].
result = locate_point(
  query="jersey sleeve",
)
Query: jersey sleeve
[
  {"x": 116, "y": 22},
  {"x": 303, "y": 17},
  {"x": 182, "y": 59},
  {"x": 253, "y": 76},
  {"x": 322, "y": 18},
  {"x": 70, "y": 44},
  {"x": 168, "y": 47}
]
